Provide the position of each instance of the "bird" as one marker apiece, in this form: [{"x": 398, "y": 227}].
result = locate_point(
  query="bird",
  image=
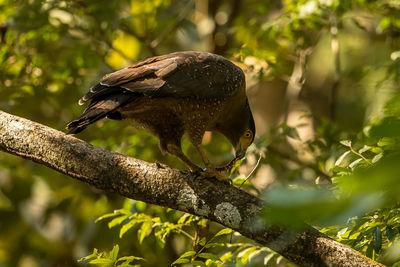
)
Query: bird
[{"x": 186, "y": 92}]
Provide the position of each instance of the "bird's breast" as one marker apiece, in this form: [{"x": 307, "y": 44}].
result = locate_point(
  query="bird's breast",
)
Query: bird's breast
[{"x": 191, "y": 112}]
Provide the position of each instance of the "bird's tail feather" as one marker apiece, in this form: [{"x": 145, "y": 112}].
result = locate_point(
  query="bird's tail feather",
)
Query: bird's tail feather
[{"x": 98, "y": 110}]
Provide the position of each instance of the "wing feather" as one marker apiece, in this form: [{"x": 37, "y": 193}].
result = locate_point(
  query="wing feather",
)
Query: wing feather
[{"x": 178, "y": 75}]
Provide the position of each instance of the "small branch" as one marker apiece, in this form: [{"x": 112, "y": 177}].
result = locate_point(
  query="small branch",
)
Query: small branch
[
  {"x": 186, "y": 234},
  {"x": 336, "y": 61},
  {"x": 176, "y": 189},
  {"x": 252, "y": 171},
  {"x": 297, "y": 78},
  {"x": 360, "y": 155}
]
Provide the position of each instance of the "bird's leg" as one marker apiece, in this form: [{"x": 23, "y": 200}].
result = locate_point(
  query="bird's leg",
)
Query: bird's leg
[
  {"x": 210, "y": 171},
  {"x": 177, "y": 151}
]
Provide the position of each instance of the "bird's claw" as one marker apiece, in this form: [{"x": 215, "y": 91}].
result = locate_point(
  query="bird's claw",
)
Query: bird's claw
[
  {"x": 213, "y": 173},
  {"x": 228, "y": 167}
]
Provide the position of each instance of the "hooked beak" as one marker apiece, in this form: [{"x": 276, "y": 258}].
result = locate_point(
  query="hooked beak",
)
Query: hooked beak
[{"x": 239, "y": 151}]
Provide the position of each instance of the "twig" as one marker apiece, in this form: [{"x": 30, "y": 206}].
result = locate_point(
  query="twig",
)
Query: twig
[
  {"x": 336, "y": 58},
  {"x": 297, "y": 78},
  {"x": 185, "y": 233},
  {"x": 255, "y": 167},
  {"x": 360, "y": 155}
]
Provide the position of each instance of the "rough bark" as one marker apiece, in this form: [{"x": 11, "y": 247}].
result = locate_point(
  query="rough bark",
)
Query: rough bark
[{"x": 164, "y": 186}]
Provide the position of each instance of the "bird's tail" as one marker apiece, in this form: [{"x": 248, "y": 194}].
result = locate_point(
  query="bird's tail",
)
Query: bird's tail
[{"x": 98, "y": 110}]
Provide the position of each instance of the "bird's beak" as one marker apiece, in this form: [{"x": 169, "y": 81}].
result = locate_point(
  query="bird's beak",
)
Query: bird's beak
[{"x": 240, "y": 151}]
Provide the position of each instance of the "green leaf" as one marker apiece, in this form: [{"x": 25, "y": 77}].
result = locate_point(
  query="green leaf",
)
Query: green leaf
[
  {"x": 117, "y": 221},
  {"x": 227, "y": 256},
  {"x": 386, "y": 142},
  {"x": 126, "y": 227},
  {"x": 268, "y": 258},
  {"x": 225, "y": 231},
  {"x": 180, "y": 261},
  {"x": 290, "y": 131},
  {"x": 387, "y": 127},
  {"x": 365, "y": 148},
  {"x": 355, "y": 163},
  {"x": 208, "y": 256},
  {"x": 101, "y": 261},
  {"x": 188, "y": 254},
  {"x": 142, "y": 233},
  {"x": 212, "y": 245},
  {"x": 391, "y": 233},
  {"x": 130, "y": 258},
  {"x": 392, "y": 107},
  {"x": 346, "y": 143},
  {"x": 91, "y": 256},
  {"x": 186, "y": 219},
  {"x": 105, "y": 216},
  {"x": 202, "y": 241},
  {"x": 377, "y": 158},
  {"x": 341, "y": 158},
  {"x": 377, "y": 240},
  {"x": 114, "y": 253},
  {"x": 198, "y": 263},
  {"x": 244, "y": 254}
]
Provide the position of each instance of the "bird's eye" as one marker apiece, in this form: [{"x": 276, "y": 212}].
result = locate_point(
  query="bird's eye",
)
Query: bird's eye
[{"x": 247, "y": 134}]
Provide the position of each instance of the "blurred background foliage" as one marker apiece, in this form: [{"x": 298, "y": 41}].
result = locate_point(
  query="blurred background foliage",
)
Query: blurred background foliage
[{"x": 323, "y": 82}]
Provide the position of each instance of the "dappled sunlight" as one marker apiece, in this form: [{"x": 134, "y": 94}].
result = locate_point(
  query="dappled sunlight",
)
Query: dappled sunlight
[{"x": 322, "y": 81}]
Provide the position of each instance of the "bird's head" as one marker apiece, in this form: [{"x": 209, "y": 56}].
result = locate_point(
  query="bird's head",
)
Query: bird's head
[{"x": 243, "y": 132}]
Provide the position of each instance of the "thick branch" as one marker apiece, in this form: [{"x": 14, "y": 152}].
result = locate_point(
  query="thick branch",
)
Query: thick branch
[{"x": 162, "y": 185}]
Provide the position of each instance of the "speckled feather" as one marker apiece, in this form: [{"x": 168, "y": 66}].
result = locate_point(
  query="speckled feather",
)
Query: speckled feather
[{"x": 173, "y": 94}]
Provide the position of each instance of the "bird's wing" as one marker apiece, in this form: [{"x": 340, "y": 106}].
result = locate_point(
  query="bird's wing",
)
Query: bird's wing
[
  {"x": 181, "y": 74},
  {"x": 139, "y": 78},
  {"x": 178, "y": 75}
]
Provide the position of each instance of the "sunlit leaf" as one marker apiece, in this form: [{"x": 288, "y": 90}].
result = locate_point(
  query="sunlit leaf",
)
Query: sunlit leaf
[
  {"x": 142, "y": 232},
  {"x": 126, "y": 227},
  {"x": 199, "y": 263},
  {"x": 117, "y": 221},
  {"x": 342, "y": 157},
  {"x": 114, "y": 253},
  {"x": 91, "y": 256},
  {"x": 202, "y": 241},
  {"x": 225, "y": 231},
  {"x": 346, "y": 143},
  {"x": 208, "y": 256},
  {"x": 188, "y": 254},
  {"x": 245, "y": 254},
  {"x": 268, "y": 258},
  {"x": 102, "y": 261}
]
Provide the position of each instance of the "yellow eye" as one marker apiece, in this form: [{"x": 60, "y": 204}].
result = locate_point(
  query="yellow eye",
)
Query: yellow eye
[{"x": 248, "y": 134}]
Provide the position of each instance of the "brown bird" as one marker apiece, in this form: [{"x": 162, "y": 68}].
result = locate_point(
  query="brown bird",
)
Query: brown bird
[{"x": 173, "y": 94}]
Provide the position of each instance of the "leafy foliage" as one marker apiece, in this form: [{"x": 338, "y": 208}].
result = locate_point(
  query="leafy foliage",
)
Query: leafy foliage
[
  {"x": 109, "y": 259},
  {"x": 335, "y": 165}
]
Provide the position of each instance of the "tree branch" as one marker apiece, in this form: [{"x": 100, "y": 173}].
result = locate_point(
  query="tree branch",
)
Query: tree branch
[{"x": 164, "y": 186}]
